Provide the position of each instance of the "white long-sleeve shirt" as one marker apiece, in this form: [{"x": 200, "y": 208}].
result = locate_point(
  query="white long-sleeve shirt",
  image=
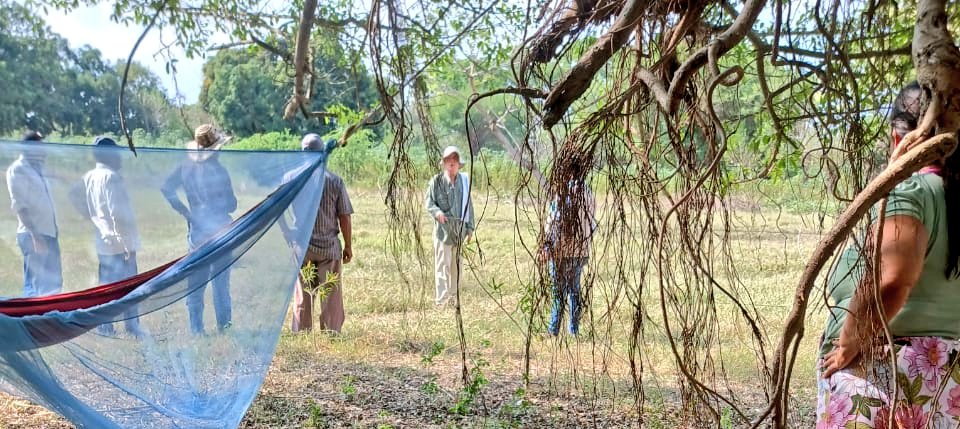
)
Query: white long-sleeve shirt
[
  {"x": 110, "y": 211},
  {"x": 30, "y": 198}
]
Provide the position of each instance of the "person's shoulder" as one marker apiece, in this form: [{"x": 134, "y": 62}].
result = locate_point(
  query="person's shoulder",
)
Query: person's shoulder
[
  {"x": 920, "y": 184},
  {"x": 333, "y": 180},
  {"x": 331, "y": 176},
  {"x": 16, "y": 165}
]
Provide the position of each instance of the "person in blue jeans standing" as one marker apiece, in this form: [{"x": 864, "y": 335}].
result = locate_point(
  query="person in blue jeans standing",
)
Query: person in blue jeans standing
[
  {"x": 37, "y": 232},
  {"x": 108, "y": 206},
  {"x": 210, "y": 201},
  {"x": 568, "y": 232}
]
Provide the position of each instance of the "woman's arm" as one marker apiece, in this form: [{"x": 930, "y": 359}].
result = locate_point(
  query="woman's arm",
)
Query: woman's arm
[{"x": 902, "y": 253}]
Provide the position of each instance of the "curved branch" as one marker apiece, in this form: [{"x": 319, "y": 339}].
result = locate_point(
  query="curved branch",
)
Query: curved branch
[
  {"x": 126, "y": 73},
  {"x": 578, "y": 79},
  {"x": 719, "y": 46},
  {"x": 925, "y": 153}
]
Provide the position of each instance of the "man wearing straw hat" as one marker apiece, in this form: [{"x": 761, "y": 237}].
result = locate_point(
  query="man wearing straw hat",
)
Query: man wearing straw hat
[
  {"x": 210, "y": 200},
  {"x": 448, "y": 202}
]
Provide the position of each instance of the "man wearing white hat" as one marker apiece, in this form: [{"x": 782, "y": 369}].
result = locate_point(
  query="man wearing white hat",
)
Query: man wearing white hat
[{"x": 448, "y": 202}]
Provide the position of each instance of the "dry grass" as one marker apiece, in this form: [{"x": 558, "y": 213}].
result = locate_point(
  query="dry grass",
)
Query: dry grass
[{"x": 381, "y": 371}]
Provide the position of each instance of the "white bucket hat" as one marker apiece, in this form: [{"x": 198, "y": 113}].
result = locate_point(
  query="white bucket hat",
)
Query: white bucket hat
[{"x": 449, "y": 151}]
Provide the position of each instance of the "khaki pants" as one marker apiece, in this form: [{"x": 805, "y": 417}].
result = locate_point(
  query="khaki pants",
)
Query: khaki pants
[
  {"x": 331, "y": 307},
  {"x": 448, "y": 269}
]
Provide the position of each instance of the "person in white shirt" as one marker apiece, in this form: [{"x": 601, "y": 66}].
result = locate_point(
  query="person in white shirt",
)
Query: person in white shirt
[
  {"x": 116, "y": 236},
  {"x": 37, "y": 232}
]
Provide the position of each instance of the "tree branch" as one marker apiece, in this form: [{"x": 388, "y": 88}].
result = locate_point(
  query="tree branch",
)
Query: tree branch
[
  {"x": 715, "y": 49},
  {"x": 300, "y": 64},
  {"x": 126, "y": 73},
  {"x": 578, "y": 79}
]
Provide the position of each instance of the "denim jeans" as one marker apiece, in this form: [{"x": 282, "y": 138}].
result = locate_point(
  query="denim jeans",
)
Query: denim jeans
[
  {"x": 565, "y": 276},
  {"x": 197, "y": 284},
  {"x": 114, "y": 268},
  {"x": 42, "y": 274}
]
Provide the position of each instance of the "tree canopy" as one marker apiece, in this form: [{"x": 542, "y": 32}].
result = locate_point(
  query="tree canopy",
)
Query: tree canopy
[{"x": 672, "y": 104}]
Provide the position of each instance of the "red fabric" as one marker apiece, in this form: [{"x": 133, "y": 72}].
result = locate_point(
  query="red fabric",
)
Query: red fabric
[{"x": 69, "y": 301}]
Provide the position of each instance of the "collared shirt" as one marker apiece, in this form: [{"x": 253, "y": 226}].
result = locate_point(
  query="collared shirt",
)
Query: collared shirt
[
  {"x": 325, "y": 240},
  {"x": 446, "y": 196},
  {"x": 30, "y": 198},
  {"x": 111, "y": 211},
  {"x": 209, "y": 193}
]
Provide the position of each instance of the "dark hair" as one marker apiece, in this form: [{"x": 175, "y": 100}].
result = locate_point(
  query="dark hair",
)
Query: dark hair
[
  {"x": 105, "y": 150},
  {"x": 905, "y": 113},
  {"x": 951, "y": 192},
  {"x": 32, "y": 136},
  {"x": 904, "y": 118}
]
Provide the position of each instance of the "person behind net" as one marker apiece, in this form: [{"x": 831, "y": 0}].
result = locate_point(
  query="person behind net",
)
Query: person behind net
[
  {"x": 919, "y": 294},
  {"x": 448, "y": 202},
  {"x": 324, "y": 252},
  {"x": 37, "y": 231},
  {"x": 568, "y": 233},
  {"x": 117, "y": 239},
  {"x": 210, "y": 201}
]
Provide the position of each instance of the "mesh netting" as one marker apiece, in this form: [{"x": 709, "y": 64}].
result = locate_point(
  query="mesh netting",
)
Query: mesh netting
[{"x": 187, "y": 342}]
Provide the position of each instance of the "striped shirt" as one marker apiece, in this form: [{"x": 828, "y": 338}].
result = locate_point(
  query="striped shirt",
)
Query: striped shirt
[{"x": 325, "y": 240}]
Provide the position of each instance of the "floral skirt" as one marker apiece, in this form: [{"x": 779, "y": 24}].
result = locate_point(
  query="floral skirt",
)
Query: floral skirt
[{"x": 926, "y": 383}]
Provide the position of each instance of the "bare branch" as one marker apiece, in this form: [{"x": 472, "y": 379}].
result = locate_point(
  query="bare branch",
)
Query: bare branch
[
  {"x": 300, "y": 63},
  {"x": 578, "y": 79},
  {"x": 126, "y": 73}
]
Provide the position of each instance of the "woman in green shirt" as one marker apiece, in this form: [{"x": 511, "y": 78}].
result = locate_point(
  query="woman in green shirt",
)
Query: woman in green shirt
[{"x": 919, "y": 291}]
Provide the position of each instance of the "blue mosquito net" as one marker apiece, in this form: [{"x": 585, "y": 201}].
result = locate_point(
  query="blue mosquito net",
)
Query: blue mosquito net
[{"x": 148, "y": 290}]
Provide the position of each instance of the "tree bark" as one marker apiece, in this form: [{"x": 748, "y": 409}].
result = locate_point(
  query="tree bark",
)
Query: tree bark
[
  {"x": 300, "y": 57},
  {"x": 578, "y": 79}
]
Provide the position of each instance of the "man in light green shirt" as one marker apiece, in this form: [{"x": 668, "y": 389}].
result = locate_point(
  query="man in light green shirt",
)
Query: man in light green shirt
[{"x": 448, "y": 202}]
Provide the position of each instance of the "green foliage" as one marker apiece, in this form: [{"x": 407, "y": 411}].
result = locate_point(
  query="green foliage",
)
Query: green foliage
[
  {"x": 69, "y": 91},
  {"x": 430, "y": 387},
  {"x": 347, "y": 388},
  {"x": 468, "y": 396},
  {"x": 274, "y": 140},
  {"x": 246, "y": 90},
  {"x": 317, "y": 419},
  {"x": 435, "y": 350}
]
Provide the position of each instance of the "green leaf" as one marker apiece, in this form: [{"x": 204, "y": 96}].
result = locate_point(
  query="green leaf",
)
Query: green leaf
[
  {"x": 857, "y": 425},
  {"x": 914, "y": 389}
]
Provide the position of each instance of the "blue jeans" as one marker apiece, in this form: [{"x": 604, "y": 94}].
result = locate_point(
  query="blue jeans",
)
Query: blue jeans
[
  {"x": 197, "y": 284},
  {"x": 565, "y": 275},
  {"x": 114, "y": 268},
  {"x": 42, "y": 274}
]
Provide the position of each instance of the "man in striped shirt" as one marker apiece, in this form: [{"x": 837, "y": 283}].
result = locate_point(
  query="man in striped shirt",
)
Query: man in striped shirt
[{"x": 325, "y": 252}]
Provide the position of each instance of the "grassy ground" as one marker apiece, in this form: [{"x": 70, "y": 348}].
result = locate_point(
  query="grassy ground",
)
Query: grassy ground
[{"x": 398, "y": 360}]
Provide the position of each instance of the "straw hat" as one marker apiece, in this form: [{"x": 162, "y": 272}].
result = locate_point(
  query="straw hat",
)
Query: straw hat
[{"x": 207, "y": 137}]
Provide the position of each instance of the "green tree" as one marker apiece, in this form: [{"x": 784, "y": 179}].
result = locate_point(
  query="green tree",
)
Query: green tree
[{"x": 246, "y": 89}]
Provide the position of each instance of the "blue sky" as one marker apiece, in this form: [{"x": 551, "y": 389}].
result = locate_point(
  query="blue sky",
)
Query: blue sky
[{"x": 91, "y": 25}]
